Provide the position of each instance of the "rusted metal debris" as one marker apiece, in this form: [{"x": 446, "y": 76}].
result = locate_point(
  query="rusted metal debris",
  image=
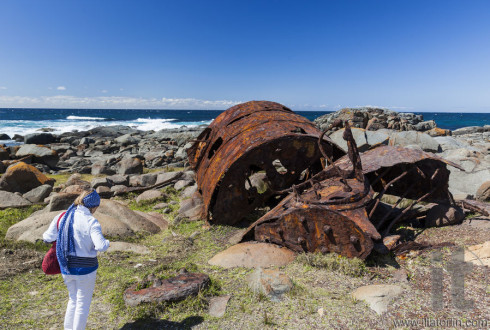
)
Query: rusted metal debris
[
  {"x": 407, "y": 173},
  {"x": 329, "y": 212},
  {"x": 324, "y": 216},
  {"x": 331, "y": 203},
  {"x": 254, "y": 138}
]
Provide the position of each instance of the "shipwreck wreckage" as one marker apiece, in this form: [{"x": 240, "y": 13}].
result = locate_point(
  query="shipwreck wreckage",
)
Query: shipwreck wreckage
[{"x": 323, "y": 199}]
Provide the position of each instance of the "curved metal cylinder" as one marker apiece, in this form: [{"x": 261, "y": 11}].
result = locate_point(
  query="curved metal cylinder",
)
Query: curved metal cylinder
[{"x": 257, "y": 137}]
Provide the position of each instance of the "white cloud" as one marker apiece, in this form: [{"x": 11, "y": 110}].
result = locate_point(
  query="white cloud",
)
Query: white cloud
[
  {"x": 61, "y": 88},
  {"x": 3, "y": 87},
  {"x": 104, "y": 91},
  {"x": 113, "y": 102}
]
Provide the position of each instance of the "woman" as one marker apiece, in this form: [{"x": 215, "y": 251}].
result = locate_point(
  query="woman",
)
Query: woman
[{"x": 79, "y": 237}]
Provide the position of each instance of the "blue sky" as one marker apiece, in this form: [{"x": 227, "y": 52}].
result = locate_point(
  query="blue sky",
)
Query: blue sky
[{"x": 404, "y": 55}]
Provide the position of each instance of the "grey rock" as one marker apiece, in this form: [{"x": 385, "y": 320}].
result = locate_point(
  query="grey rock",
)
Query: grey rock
[
  {"x": 104, "y": 191},
  {"x": 8, "y": 199},
  {"x": 270, "y": 282},
  {"x": 160, "y": 206},
  {"x": 130, "y": 165},
  {"x": 4, "y": 136},
  {"x": 126, "y": 139},
  {"x": 99, "y": 182},
  {"x": 182, "y": 184},
  {"x": 118, "y": 188},
  {"x": 376, "y": 137},
  {"x": 86, "y": 141},
  {"x": 38, "y": 194},
  {"x": 150, "y": 195},
  {"x": 39, "y": 138},
  {"x": 61, "y": 201},
  {"x": 406, "y": 138},
  {"x": 167, "y": 176},
  {"x": 425, "y": 125},
  {"x": 189, "y": 191},
  {"x": 470, "y": 130},
  {"x": 143, "y": 180},
  {"x": 117, "y": 179},
  {"x": 192, "y": 208},
  {"x": 358, "y": 134},
  {"x": 41, "y": 154}
]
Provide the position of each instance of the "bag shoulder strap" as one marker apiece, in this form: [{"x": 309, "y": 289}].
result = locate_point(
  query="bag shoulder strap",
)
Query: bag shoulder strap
[{"x": 61, "y": 216}]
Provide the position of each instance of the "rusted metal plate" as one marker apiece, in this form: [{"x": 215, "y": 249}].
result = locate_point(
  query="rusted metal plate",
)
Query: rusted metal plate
[
  {"x": 253, "y": 137},
  {"x": 324, "y": 218},
  {"x": 418, "y": 172}
]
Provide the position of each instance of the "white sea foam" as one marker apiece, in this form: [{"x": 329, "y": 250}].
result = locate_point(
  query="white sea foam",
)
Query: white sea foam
[
  {"x": 84, "y": 118},
  {"x": 24, "y": 127}
]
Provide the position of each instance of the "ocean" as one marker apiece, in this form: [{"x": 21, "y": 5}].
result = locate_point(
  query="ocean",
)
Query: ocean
[{"x": 25, "y": 121}]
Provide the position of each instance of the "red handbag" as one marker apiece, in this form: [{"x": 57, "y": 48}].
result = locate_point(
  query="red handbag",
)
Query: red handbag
[{"x": 50, "y": 261}]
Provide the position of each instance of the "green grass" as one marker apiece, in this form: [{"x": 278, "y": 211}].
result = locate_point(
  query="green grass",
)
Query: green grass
[
  {"x": 62, "y": 178},
  {"x": 333, "y": 262}
]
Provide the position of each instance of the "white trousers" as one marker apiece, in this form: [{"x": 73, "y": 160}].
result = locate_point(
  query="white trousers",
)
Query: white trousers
[{"x": 80, "y": 290}]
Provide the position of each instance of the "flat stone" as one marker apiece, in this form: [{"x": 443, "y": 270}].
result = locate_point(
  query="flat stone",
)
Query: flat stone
[
  {"x": 478, "y": 254},
  {"x": 182, "y": 184},
  {"x": 128, "y": 247},
  {"x": 99, "y": 182},
  {"x": 150, "y": 195},
  {"x": 378, "y": 296},
  {"x": 271, "y": 282},
  {"x": 118, "y": 188},
  {"x": 217, "y": 305},
  {"x": 253, "y": 255},
  {"x": 172, "y": 289},
  {"x": 8, "y": 199},
  {"x": 144, "y": 180},
  {"x": 168, "y": 176},
  {"x": 160, "y": 206},
  {"x": 157, "y": 218},
  {"x": 117, "y": 179}
]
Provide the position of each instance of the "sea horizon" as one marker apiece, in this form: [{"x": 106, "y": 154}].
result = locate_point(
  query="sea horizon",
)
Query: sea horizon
[{"x": 24, "y": 121}]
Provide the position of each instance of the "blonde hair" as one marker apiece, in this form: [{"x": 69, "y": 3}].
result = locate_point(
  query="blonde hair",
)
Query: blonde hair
[{"x": 79, "y": 200}]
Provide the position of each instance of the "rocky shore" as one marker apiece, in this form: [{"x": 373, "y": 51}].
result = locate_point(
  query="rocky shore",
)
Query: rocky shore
[
  {"x": 152, "y": 214},
  {"x": 122, "y": 154}
]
